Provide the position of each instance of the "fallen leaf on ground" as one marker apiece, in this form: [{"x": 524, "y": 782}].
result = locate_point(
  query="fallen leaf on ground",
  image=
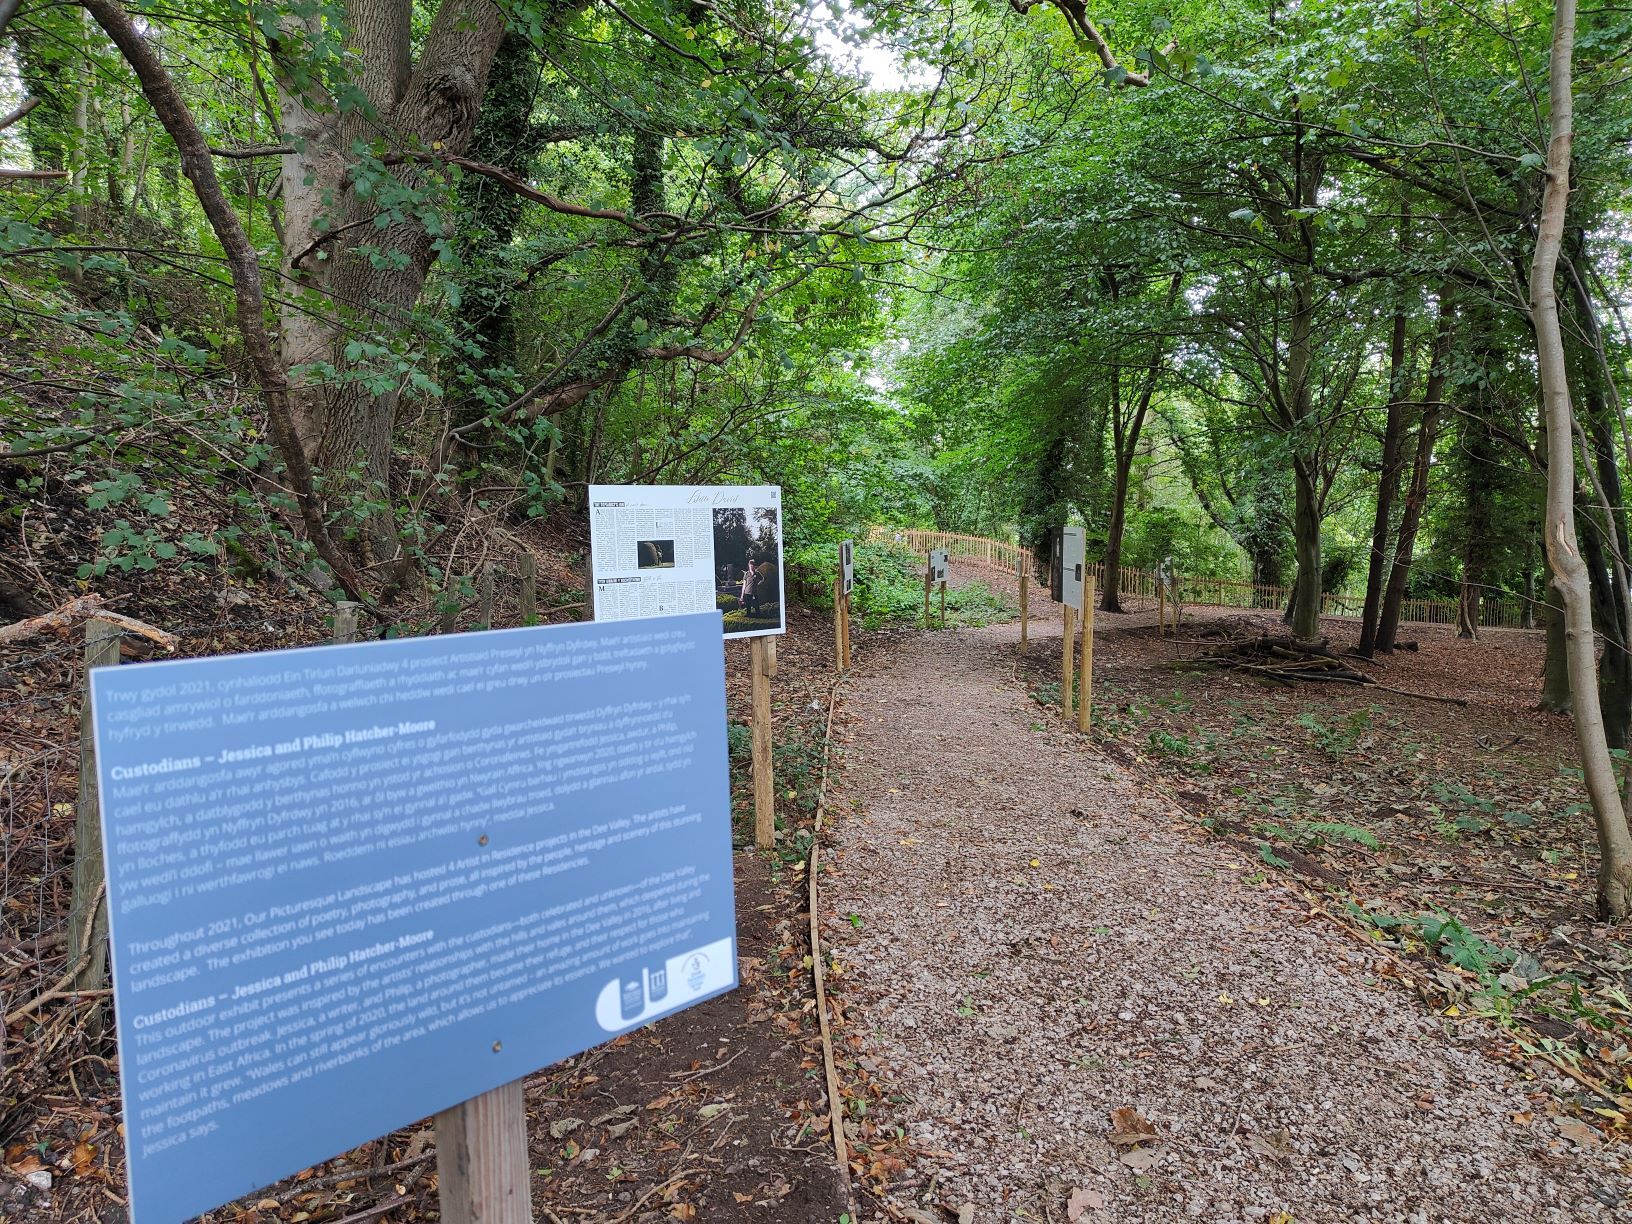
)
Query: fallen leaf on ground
[
  {"x": 1128, "y": 1127},
  {"x": 1139, "y": 1159},
  {"x": 1081, "y": 1202},
  {"x": 1277, "y": 1145},
  {"x": 1578, "y": 1133}
]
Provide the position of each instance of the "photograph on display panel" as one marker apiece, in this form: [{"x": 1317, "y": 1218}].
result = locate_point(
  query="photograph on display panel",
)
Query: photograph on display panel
[{"x": 663, "y": 550}]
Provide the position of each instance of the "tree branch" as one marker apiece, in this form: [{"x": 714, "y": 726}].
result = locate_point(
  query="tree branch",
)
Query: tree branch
[
  {"x": 19, "y": 112},
  {"x": 171, "y": 110},
  {"x": 1076, "y": 16},
  {"x": 515, "y": 183}
]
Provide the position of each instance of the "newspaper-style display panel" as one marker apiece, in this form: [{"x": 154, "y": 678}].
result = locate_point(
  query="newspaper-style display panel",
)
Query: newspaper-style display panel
[
  {"x": 937, "y": 565},
  {"x": 847, "y": 565},
  {"x": 660, "y": 550}
]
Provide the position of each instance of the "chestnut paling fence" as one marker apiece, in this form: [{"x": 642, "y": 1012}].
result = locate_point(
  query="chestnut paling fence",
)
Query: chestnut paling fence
[{"x": 1137, "y": 587}]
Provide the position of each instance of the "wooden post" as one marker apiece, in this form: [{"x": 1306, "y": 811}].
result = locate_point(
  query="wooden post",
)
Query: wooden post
[
  {"x": 1085, "y": 691},
  {"x": 527, "y": 566},
  {"x": 929, "y": 583},
  {"x": 1068, "y": 661},
  {"x": 483, "y": 1172},
  {"x": 345, "y": 621},
  {"x": 1025, "y": 608},
  {"x": 449, "y": 620},
  {"x": 847, "y": 656},
  {"x": 1161, "y": 609},
  {"x": 88, "y": 911},
  {"x": 844, "y": 621},
  {"x": 838, "y": 621},
  {"x": 764, "y": 667},
  {"x": 943, "y": 605},
  {"x": 484, "y": 597}
]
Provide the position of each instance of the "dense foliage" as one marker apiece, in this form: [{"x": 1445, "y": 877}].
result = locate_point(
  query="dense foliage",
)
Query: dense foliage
[{"x": 349, "y": 289}]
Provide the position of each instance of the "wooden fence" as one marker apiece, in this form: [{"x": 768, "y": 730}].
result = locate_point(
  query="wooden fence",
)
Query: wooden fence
[{"x": 1138, "y": 587}]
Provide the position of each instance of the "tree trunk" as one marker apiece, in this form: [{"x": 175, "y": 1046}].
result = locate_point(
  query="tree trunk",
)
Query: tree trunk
[
  {"x": 1479, "y": 484},
  {"x": 306, "y": 177},
  {"x": 1555, "y": 668},
  {"x": 505, "y": 135},
  {"x": 1614, "y": 664},
  {"x": 1416, "y": 497},
  {"x": 1126, "y": 441},
  {"x": 1388, "y": 483},
  {"x": 1306, "y": 592},
  {"x": 377, "y": 274},
  {"x": 1306, "y": 482},
  {"x": 1111, "y": 580},
  {"x": 1563, "y": 547},
  {"x": 1605, "y": 539}
]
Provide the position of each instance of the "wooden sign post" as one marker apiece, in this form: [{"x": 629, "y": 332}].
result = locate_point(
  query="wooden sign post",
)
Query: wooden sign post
[
  {"x": 839, "y": 633},
  {"x": 842, "y": 583},
  {"x": 764, "y": 668},
  {"x": 847, "y": 657},
  {"x": 527, "y": 567},
  {"x": 1085, "y": 692},
  {"x": 1025, "y": 610},
  {"x": 88, "y": 915},
  {"x": 1067, "y": 661},
  {"x": 482, "y": 1171},
  {"x": 1161, "y": 608},
  {"x": 943, "y": 603},
  {"x": 929, "y": 585}
]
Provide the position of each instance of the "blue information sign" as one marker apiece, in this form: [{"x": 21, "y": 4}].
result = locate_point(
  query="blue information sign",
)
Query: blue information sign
[{"x": 350, "y": 886}]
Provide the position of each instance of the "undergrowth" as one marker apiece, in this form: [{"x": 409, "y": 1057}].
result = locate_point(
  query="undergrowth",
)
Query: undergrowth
[{"x": 889, "y": 593}]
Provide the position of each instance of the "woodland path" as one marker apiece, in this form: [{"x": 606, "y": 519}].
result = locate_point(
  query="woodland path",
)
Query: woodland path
[{"x": 1027, "y": 942}]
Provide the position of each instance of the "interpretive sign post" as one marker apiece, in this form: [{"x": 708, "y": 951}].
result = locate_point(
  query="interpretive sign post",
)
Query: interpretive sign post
[
  {"x": 660, "y": 549},
  {"x": 936, "y": 575},
  {"x": 1085, "y": 694},
  {"x": 842, "y": 585},
  {"x": 1025, "y": 609},
  {"x": 353, "y": 886},
  {"x": 1068, "y": 669}
]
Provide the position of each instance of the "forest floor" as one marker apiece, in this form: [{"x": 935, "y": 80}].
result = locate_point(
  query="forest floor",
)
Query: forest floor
[
  {"x": 715, "y": 1114},
  {"x": 1147, "y": 976},
  {"x": 1251, "y": 952}
]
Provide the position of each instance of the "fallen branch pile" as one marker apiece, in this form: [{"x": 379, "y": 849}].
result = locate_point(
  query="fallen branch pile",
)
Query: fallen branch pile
[{"x": 1285, "y": 659}]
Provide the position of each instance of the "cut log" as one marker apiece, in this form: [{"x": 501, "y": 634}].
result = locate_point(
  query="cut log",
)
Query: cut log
[{"x": 76, "y": 610}]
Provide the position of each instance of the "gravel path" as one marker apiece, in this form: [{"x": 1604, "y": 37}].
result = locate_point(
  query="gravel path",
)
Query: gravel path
[{"x": 1035, "y": 944}]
